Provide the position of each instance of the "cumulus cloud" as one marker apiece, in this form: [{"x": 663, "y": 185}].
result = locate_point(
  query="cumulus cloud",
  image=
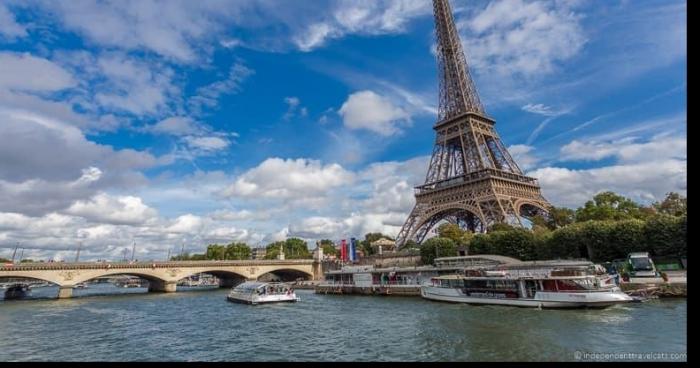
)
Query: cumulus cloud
[
  {"x": 644, "y": 171},
  {"x": 118, "y": 210},
  {"x": 278, "y": 178},
  {"x": 515, "y": 37},
  {"x": 644, "y": 181},
  {"x": 370, "y": 111},
  {"x": 24, "y": 72}
]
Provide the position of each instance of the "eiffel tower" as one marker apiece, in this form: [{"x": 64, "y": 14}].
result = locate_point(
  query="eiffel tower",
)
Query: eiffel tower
[{"x": 472, "y": 180}]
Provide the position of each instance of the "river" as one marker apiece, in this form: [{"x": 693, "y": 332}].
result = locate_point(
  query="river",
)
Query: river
[{"x": 204, "y": 326}]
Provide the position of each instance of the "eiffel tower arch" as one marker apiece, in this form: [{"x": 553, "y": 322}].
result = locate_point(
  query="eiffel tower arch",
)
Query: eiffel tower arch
[{"x": 472, "y": 180}]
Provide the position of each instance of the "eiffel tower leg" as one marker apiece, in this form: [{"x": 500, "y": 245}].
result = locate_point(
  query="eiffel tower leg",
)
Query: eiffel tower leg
[{"x": 409, "y": 228}]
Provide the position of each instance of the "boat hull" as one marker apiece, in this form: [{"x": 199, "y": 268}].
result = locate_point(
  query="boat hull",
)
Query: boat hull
[
  {"x": 254, "y": 301},
  {"x": 541, "y": 300}
]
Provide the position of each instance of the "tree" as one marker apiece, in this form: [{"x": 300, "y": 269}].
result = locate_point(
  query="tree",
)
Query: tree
[
  {"x": 238, "y": 251},
  {"x": 609, "y": 206},
  {"x": 329, "y": 248},
  {"x": 666, "y": 235},
  {"x": 4, "y": 260},
  {"x": 294, "y": 248},
  {"x": 436, "y": 248},
  {"x": 500, "y": 227},
  {"x": 457, "y": 234},
  {"x": 674, "y": 204},
  {"x": 560, "y": 217},
  {"x": 216, "y": 252}
]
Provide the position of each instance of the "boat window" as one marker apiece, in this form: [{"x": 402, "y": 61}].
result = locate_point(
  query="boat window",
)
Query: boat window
[{"x": 564, "y": 285}]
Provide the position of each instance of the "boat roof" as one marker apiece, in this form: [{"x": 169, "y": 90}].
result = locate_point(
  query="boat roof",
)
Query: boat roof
[
  {"x": 257, "y": 284},
  {"x": 489, "y": 257},
  {"x": 390, "y": 269}
]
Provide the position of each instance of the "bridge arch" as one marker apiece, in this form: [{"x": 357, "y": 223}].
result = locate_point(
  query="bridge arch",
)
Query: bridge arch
[
  {"x": 285, "y": 274},
  {"x": 144, "y": 274},
  {"x": 21, "y": 275}
]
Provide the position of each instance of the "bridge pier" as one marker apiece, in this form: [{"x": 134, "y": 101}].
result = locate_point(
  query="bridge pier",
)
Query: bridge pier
[
  {"x": 65, "y": 292},
  {"x": 160, "y": 286}
]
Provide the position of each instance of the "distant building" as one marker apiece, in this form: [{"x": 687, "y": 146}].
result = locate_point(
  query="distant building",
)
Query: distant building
[{"x": 258, "y": 253}]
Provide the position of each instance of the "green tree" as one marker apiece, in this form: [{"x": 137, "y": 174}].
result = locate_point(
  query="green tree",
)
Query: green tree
[
  {"x": 216, "y": 252},
  {"x": 452, "y": 231},
  {"x": 329, "y": 248},
  {"x": 436, "y": 248},
  {"x": 294, "y": 248},
  {"x": 666, "y": 235},
  {"x": 238, "y": 251},
  {"x": 272, "y": 250},
  {"x": 609, "y": 206},
  {"x": 500, "y": 227},
  {"x": 4, "y": 260},
  {"x": 674, "y": 204},
  {"x": 560, "y": 217}
]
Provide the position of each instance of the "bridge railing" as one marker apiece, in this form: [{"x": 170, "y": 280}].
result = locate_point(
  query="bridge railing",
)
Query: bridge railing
[{"x": 146, "y": 265}]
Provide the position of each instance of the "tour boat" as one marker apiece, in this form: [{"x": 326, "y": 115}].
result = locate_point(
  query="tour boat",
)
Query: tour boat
[
  {"x": 262, "y": 292},
  {"x": 555, "y": 289}
]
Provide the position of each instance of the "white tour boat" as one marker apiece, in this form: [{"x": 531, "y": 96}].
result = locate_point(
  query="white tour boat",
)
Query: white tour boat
[
  {"x": 262, "y": 292},
  {"x": 552, "y": 289}
]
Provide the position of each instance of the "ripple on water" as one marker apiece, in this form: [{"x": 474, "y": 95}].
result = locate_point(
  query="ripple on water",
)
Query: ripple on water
[{"x": 203, "y": 326}]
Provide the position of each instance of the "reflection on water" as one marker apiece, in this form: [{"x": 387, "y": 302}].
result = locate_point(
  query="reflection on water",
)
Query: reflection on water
[{"x": 203, "y": 326}]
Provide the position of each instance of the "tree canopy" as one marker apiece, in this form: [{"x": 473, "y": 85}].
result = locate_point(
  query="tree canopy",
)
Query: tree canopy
[{"x": 294, "y": 248}]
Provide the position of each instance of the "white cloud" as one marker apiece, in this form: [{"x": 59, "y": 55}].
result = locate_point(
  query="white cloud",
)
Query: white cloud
[
  {"x": 289, "y": 179},
  {"x": 134, "y": 85},
  {"x": 514, "y": 37},
  {"x": 186, "y": 224},
  {"x": 207, "y": 144},
  {"x": 294, "y": 108},
  {"x": 37, "y": 196},
  {"x": 113, "y": 210},
  {"x": 167, "y": 28},
  {"x": 540, "y": 109},
  {"x": 9, "y": 28},
  {"x": 24, "y": 72},
  {"x": 644, "y": 181},
  {"x": 626, "y": 150},
  {"x": 369, "y": 17},
  {"x": 370, "y": 111}
]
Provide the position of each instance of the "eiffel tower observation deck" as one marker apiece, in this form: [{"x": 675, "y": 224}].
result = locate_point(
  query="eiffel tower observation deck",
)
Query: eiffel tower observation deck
[{"x": 472, "y": 180}]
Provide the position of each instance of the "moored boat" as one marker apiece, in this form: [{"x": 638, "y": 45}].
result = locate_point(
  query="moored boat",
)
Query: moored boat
[
  {"x": 262, "y": 292},
  {"x": 555, "y": 289}
]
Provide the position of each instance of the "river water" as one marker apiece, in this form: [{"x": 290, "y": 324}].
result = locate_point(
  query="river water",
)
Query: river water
[{"x": 204, "y": 326}]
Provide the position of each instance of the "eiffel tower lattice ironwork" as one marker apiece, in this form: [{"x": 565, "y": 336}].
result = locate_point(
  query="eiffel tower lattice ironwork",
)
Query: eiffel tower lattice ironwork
[{"x": 472, "y": 180}]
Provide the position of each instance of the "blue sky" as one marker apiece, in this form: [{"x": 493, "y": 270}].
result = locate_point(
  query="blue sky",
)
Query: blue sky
[{"x": 171, "y": 122}]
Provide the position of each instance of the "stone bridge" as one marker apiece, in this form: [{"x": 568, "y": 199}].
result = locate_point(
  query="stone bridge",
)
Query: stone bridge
[{"x": 162, "y": 276}]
